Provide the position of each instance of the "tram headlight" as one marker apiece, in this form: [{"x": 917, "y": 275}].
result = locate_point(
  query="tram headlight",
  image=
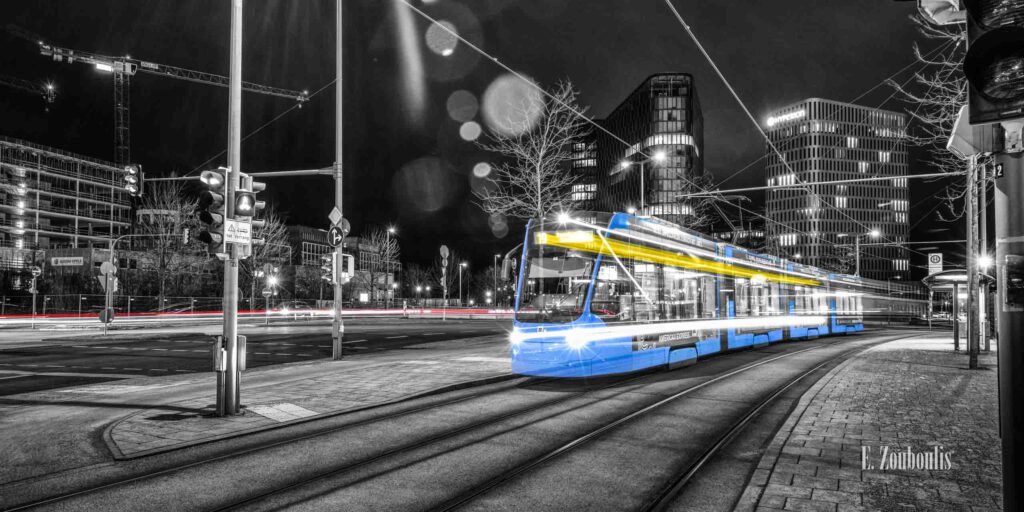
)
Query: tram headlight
[
  {"x": 515, "y": 337},
  {"x": 576, "y": 339}
]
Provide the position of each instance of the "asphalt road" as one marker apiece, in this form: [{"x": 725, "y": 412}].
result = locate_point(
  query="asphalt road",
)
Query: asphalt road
[
  {"x": 77, "y": 359},
  {"x": 424, "y": 457}
]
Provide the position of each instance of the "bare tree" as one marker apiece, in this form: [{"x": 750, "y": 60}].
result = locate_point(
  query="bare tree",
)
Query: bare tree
[
  {"x": 388, "y": 251},
  {"x": 936, "y": 108},
  {"x": 274, "y": 251},
  {"x": 166, "y": 217},
  {"x": 450, "y": 277},
  {"x": 535, "y": 179},
  {"x": 416, "y": 275}
]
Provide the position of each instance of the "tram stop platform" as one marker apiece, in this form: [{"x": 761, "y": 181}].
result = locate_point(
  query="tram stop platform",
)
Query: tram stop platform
[
  {"x": 292, "y": 393},
  {"x": 844, "y": 446}
]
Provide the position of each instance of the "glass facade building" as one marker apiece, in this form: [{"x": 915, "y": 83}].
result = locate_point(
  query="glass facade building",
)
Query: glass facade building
[
  {"x": 820, "y": 141},
  {"x": 661, "y": 116}
]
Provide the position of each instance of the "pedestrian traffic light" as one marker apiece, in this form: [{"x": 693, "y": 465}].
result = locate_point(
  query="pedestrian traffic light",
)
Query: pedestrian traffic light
[
  {"x": 247, "y": 207},
  {"x": 212, "y": 211},
  {"x": 994, "y": 64},
  {"x": 133, "y": 180}
]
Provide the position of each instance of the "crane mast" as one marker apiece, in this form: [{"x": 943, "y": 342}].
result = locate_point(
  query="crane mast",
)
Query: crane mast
[{"x": 123, "y": 68}]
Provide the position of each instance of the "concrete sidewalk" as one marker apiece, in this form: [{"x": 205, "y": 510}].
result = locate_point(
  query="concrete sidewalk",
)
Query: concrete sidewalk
[
  {"x": 844, "y": 446},
  {"x": 275, "y": 395}
]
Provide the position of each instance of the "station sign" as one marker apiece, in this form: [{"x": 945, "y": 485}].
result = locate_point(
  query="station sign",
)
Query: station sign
[{"x": 934, "y": 263}]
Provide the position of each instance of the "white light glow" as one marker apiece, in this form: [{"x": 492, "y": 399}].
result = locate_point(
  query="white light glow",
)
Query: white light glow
[
  {"x": 579, "y": 337},
  {"x": 104, "y": 67}
]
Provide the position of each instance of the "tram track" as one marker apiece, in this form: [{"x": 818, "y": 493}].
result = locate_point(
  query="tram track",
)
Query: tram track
[
  {"x": 663, "y": 498},
  {"x": 297, "y": 486}
]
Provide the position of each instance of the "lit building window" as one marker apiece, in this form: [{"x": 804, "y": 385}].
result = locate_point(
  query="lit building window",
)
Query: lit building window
[{"x": 884, "y": 156}]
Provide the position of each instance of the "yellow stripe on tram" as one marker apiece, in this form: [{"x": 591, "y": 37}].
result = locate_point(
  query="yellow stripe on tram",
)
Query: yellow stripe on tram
[{"x": 587, "y": 241}]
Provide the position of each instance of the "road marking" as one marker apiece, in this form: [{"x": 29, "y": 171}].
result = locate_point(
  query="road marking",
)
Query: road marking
[
  {"x": 160, "y": 370},
  {"x": 160, "y": 349},
  {"x": 262, "y": 353},
  {"x": 433, "y": 333},
  {"x": 108, "y": 368},
  {"x": 133, "y": 369},
  {"x": 117, "y": 348},
  {"x": 324, "y": 345},
  {"x": 53, "y": 366},
  {"x": 116, "y": 389},
  {"x": 179, "y": 350},
  {"x": 305, "y": 355},
  {"x": 79, "y": 346},
  {"x": 481, "y": 359},
  {"x": 396, "y": 337},
  {"x": 183, "y": 370},
  {"x": 350, "y": 341},
  {"x": 74, "y": 374},
  {"x": 419, "y": 362},
  {"x": 200, "y": 351}
]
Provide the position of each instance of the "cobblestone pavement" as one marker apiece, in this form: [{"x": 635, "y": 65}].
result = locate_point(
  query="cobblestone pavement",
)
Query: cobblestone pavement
[
  {"x": 913, "y": 393},
  {"x": 317, "y": 389}
]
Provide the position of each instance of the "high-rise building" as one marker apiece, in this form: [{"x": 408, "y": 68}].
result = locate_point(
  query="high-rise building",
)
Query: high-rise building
[
  {"x": 657, "y": 130},
  {"x": 824, "y": 141}
]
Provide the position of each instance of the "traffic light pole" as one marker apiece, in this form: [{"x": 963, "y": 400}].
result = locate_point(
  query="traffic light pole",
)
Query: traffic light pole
[
  {"x": 338, "y": 326},
  {"x": 1010, "y": 310},
  {"x": 228, "y": 392}
]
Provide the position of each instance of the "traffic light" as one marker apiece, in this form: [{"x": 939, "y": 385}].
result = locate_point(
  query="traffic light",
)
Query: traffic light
[
  {"x": 212, "y": 211},
  {"x": 327, "y": 266},
  {"x": 133, "y": 180},
  {"x": 247, "y": 207},
  {"x": 994, "y": 64}
]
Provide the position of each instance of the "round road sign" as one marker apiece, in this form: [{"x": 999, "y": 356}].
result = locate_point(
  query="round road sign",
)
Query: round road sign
[
  {"x": 36, "y": 271},
  {"x": 108, "y": 268},
  {"x": 335, "y": 236}
]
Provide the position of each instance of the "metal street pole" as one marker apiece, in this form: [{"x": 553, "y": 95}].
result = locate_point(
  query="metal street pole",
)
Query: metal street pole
[
  {"x": 495, "y": 276},
  {"x": 856, "y": 255},
  {"x": 972, "y": 263},
  {"x": 1010, "y": 306},
  {"x": 956, "y": 317},
  {"x": 641, "y": 187},
  {"x": 983, "y": 237},
  {"x": 461, "y": 266},
  {"x": 230, "y": 392},
  {"x": 387, "y": 246},
  {"x": 338, "y": 326}
]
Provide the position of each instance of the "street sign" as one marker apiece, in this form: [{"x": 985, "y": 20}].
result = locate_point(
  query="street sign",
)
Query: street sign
[
  {"x": 237, "y": 232},
  {"x": 335, "y": 236},
  {"x": 70, "y": 261},
  {"x": 36, "y": 271},
  {"x": 444, "y": 251},
  {"x": 108, "y": 268},
  {"x": 266, "y": 293},
  {"x": 108, "y": 278},
  {"x": 934, "y": 262},
  {"x": 335, "y": 216}
]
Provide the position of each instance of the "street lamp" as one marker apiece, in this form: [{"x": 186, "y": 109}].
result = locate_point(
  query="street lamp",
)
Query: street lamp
[
  {"x": 874, "y": 233},
  {"x": 658, "y": 157},
  {"x": 495, "y": 276},
  {"x": 462, "y": 265}
]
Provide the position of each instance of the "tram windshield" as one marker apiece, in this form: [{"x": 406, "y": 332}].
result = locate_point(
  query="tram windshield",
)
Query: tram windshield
[{"x": 555, "y": 285}]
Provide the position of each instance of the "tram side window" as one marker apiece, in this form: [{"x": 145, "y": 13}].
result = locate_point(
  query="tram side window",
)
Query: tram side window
[
  {"x": 682, "y": 294},
  {"x": 612, "y": 300},
  {"x": 708, "y": 291},
  {"x": 646, "y": 301},
  {"x": 742, "y": 302}
]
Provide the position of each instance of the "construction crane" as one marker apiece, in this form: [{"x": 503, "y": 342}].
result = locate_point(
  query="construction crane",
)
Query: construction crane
[
  {"x": 123, "y": 68},
  {"x": 47, "y": 90}
]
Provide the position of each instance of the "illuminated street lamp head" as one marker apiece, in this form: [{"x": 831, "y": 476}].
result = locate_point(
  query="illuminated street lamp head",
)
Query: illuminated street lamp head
[
  {"x": 875, "y": 233},
  {"x": 391, "y": 230},
  {"x": 214, "y": 179},
  {"x": 659, "y": 156},
  {"x": 272, "y": 280},
  {"x": 631, "y": 210},
  {"x": 419, "y": 289},
  {"x": 985, "y": 261},
  {"x": 625, "y": 164},
  {"x": 564, "y": 218},
  {"x": 463, "y": 264}
]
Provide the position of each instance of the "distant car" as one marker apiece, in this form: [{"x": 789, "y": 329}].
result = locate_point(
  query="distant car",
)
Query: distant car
[{"x": 294, "y": 307}]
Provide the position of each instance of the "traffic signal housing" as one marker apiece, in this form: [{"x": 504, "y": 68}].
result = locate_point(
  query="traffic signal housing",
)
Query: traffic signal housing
[
  {"x": 994, "y": 64},
  {"x": 133, "y": 180},
  {"x": 212, "y": 211},
  {"x": 327, "y": 266}
]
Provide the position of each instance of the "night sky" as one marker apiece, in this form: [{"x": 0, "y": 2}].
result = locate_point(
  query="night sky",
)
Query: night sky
[{"x": 405, "y": 161}]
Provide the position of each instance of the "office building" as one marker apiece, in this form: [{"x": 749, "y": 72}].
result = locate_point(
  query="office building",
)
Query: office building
[
  {"x": 828, "y": 141},
  {"x": 653, "y": 153}
]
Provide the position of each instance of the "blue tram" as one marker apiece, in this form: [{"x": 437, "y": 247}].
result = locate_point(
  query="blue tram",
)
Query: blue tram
[{"x": 601, "y": 294}]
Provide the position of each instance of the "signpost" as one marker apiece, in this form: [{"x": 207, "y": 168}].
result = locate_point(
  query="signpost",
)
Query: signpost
[
  {"x": 36, "y": 272},
  {"x": 237, "y": 232},
  {"x": 109, "y": 283},
  {"x": 444, "y": 281},
  {"x": 267, "y": 292},
  {"x": 336, "y": 237},
  {"x": 934, "y": 263}
]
